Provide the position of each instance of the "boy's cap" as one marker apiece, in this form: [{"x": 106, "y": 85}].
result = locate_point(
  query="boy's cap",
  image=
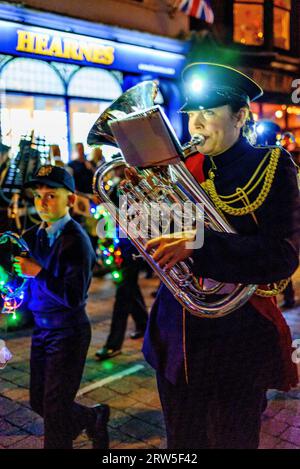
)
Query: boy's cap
[{"x": 52, "y": 176}]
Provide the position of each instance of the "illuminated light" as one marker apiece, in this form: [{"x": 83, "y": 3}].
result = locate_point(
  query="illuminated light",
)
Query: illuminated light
[
  {"x": 278, "y": 114},
  {"x": 117, "y": 253},
  {"x": 106, "y": 252},
  {"x": 93, "y": 210},
  {"x": 117, "y": 276},
  {"x": 116, "y": 241},
  {"x": 260, "y": 129},
  {"x": 278, "y": 143},
  {"x": 106, "y": 187},
  {"x": 293, "y": 110},
  {"x": 107, "y": 365},
  {"x": 108, "y": 262},
  {"x": 111, "y": 249},
  {"x": 197, "y": 85},
  {"x": 283, "y": 107},
  {"x": 255, "y": 116},
  {"x": 260, "y": 34},
  {"x": 243, "y": 40},
  {"x": 110, "y": 183}
]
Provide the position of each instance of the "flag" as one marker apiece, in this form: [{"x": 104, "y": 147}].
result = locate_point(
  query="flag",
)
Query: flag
[{"x": 198, "y": 8}]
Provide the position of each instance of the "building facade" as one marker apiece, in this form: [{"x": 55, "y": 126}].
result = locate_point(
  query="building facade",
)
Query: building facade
[
  {"x": 58, "y": 72},
  {"x": 62, "y": 63},
  {"x": 262, "y": 39}
]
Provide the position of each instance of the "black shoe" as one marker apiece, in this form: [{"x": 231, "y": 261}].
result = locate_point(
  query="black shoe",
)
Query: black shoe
[
  {"x": 104, "y": 353},
  {"x": 137, "y": 334},
  {"x": 98, "y": 431}
]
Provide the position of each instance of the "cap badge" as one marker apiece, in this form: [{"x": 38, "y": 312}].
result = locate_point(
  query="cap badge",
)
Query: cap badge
[{"x": 45, "y": 170}]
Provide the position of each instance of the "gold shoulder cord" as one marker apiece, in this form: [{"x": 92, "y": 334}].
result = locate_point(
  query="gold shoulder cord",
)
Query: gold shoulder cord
[{"x": 223, "y": 203}]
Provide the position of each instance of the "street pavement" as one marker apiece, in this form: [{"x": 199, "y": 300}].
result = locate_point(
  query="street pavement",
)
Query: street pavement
[{"x": 127, "y": 384}]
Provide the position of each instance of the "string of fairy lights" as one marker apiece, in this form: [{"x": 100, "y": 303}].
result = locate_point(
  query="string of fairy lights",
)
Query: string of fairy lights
[{"x": 108, "y": 251}]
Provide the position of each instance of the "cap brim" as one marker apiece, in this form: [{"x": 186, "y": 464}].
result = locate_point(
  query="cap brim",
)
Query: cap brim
[{"x": 198, "y": 105}]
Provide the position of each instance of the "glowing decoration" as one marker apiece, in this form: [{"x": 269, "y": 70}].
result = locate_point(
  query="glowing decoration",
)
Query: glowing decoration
[
  {"x": 288, "y": 141},
  {"x": 117, "y": 276},
  {"x": 12, "y": 286},
  {"x": 279, "y": 114},
  {"x": 109, "y": 255},
  {"x": 260, "y": 129}
]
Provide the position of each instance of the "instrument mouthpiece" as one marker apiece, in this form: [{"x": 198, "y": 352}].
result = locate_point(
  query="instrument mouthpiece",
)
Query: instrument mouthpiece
[{"x": 198, "y": 139}]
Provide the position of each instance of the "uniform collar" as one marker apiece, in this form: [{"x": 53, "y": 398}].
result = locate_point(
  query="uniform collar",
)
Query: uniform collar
[{"x": 56, "y": 228}]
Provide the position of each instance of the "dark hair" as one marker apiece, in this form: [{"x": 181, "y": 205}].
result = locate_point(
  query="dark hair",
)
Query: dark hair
[{"x": 248, "y": 129}]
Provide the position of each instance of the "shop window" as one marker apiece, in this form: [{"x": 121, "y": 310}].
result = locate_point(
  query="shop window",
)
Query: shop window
[
  {"x": 45, "y": 115},
  {"x": 248, "y": 22},
  {"x": 94, "y": 83},
  {"x": 282, "y": 23},
  {"x": 83, "y": 114},
  {"x": 30, "y": 75}
]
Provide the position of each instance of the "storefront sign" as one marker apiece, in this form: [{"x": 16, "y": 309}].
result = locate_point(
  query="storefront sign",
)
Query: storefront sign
[
  {"x": 35, "y": 42},
  {"x": 65, "y": 48}
]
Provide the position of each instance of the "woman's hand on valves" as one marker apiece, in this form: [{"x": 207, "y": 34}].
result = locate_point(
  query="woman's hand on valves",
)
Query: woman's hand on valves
[{"x": 172, "y": 248}]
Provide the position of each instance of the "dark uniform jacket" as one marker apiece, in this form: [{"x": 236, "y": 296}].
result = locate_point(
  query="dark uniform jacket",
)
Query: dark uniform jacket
[
  {"x": 58, "y": 293},
  {"x": 244, "y": 344}
]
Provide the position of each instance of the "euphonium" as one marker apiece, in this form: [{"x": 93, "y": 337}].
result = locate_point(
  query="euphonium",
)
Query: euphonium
[{"x": 165, "y": 184}]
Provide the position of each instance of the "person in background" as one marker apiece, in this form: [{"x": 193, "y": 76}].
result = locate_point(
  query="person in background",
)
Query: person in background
[
  {"x": 55, "y": 156},
  {"x": 82, "y": 171},
  {"x": 289, "y": 143},
  {"x": 96, "y": 157}
]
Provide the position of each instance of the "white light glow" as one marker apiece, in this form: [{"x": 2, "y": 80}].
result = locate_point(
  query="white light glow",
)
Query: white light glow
[
  {"x": 197, "y": 85},
  {"x": 260, "y": 129}
]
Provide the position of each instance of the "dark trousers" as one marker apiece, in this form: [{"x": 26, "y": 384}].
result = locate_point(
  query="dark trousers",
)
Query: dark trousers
[
  {"x": 56, "y": 367},
  {"x": 128, "y": 300},
  {"x": 198, "y": 420}
]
